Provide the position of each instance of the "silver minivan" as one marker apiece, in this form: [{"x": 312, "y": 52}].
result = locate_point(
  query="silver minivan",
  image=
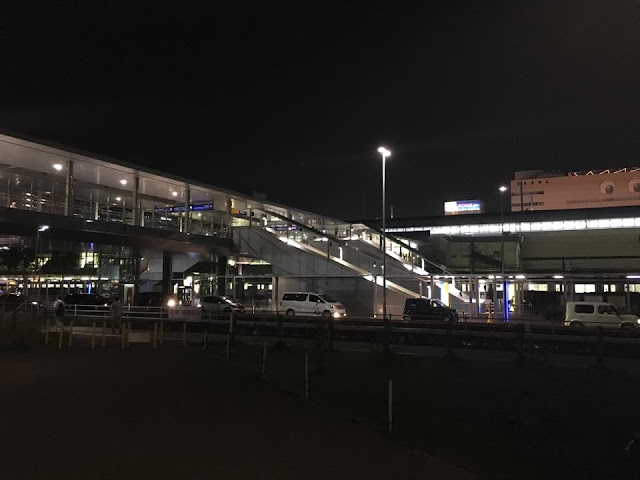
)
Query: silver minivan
[
  {"x": 310, "y": 303},
  {"x": 597, "y": 314}
]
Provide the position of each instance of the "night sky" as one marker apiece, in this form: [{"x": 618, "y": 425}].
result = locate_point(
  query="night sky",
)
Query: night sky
[{"x": 293, "y": 98}]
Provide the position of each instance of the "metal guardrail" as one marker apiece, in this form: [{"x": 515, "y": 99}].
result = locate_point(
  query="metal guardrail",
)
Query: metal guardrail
[{"x": 518, "y": 336}]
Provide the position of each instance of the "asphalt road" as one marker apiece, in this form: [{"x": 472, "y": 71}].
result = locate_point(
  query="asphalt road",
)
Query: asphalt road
[{"x": 177, "y": 413}]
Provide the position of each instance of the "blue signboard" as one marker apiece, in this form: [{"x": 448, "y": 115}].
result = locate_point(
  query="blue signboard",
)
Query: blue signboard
[{"x": 180, "y": 208}]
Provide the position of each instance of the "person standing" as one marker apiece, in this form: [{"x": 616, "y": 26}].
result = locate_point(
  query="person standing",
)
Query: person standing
[
  {"x": 116, "y": 315},
  {"x": 58, "y": 311}
]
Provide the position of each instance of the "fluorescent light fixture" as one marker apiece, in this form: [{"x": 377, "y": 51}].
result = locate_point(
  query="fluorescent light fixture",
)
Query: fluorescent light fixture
[
  {"x": 43, "y": 228},
  {"x": 520, "y": 277},
  {"x": 118, "y": 199},
  {"x": 558, "y": 277},
  {"x": 633, "y": 276}
]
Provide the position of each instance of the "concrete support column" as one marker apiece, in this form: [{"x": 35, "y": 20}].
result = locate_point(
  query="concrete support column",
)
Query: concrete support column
[
  {"x": 470, "y": 293},
  {"x": 275, "y": 294},
  {"x": 136, "y": 203},
  {"x": 68, "y": 190},
  {"x": 167, "y": 274},
  {"x": 478, "y": 305},
  {"x": 187, "y": 210},
  {"x": 229, "y": 233}
]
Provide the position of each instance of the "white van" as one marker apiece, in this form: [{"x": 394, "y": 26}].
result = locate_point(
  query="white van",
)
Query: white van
[
  {"x": 309, "y": 303},
  {"x": 597, "y": 314}
]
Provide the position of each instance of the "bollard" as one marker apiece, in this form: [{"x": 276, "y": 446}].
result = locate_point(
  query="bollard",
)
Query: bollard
[
  {"x": 599, "y": 347},
  {"x": 104, "y": 333},
  {"x": 161, "y": 332},
  {"x": 155, "y": 334},
  {"x": 93, "y": 336},
  {"x": 306, "y": 376},
  {"x": 70, "y": 333},
  {"x": 205, "y": 339},
  {"x": 390, "y": 388},
  {"x": 60, "y": 335},
  {"x": 264, "y": 358},
  {"x": 184, "y": 333}
]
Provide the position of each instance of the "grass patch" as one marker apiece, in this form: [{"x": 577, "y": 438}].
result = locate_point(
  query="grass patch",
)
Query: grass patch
[{"x": 492, "y": 418}]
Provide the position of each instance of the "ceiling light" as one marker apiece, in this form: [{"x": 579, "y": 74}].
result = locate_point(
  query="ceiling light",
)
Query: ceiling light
[
  {"x": 57, "y": 166},
  {"x": 123, "y": 182},
  {"x": 174, "y": 193},
  {"x": 118, "y": 199}
]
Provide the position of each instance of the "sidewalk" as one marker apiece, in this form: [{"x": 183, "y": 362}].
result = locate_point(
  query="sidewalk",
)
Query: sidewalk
[{"x": 178, "y": 413}]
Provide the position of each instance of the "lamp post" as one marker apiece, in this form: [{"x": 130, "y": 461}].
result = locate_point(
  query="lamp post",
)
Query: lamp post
[
  {"x": 385, "y": 153},
  {"x": 505, "y": 313},
  {"x": 41, "y": 229}
]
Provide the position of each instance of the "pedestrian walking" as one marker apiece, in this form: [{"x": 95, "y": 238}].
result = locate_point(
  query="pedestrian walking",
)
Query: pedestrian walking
[
  {"x": 116, "y": 315},
  {"x": 58, "y": 311}
]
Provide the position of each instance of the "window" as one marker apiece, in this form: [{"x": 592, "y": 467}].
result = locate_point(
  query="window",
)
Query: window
[
  {"x": 585, "y": 288},
  {"x": 289, "y": 297},
  {"x": 315, "y": 299},
  {"x": 582, "y": 308}
]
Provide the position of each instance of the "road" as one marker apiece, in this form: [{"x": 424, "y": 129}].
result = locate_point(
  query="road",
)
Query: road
[{"x": 174, "y": 413}]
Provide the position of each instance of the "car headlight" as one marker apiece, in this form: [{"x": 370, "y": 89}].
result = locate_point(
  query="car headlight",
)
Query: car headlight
[
  {"x": 199, "y": 305},
  {"x": 171, "y": 303},
  {"x": 336, "y": 315},
  {"x": 638, "y": 320}
]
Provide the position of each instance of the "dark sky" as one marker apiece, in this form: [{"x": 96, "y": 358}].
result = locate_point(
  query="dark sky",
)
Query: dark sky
[{"x": 292, "y": 98}]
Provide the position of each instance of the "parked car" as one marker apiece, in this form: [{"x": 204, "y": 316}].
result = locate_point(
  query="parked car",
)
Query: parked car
[
  {"x": 214, "y": 304},
  {"x": 597, "y": 314},
  {"x": 85, "y": 299},
  {"x": 11, "y": 301},
  {"x": 308, "y": 303},
  {"x": 428, "y": 309}
]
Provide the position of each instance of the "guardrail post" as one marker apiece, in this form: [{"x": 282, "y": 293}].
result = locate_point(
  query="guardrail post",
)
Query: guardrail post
[
  {"x": 104, "y": 333},
  {"x": 386, "y": 334},
  {"x": 46, "y": 330},
  {"x": 93, "y": 336},
  {"x": 232, "y": 333},
  {"x": 70, "y": 333},
  {"x": 330, "y": 334},
  {"x": 60, "y": 336},
  {"x": 155, "y": 334},
  {"x": 390, "y": 405},
  {"x": 599, "y": 347},
  {"x": 520, "y": 344},
  {"x": 449, "y": 355},
  {"x": 306, "y": 376},
  {"x": 280, "y": 343},
  {"x": 184, "y": 332}
]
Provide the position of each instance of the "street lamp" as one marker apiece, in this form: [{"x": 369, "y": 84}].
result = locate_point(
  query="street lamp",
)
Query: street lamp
[
  {"x": 41, "y": 229},
  {"x": 385, "y": 153},
  {"x": 505, "y": 312}
]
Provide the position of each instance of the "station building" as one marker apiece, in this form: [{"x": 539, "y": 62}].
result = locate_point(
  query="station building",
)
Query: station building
[{"x": 77, "y": 222}]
